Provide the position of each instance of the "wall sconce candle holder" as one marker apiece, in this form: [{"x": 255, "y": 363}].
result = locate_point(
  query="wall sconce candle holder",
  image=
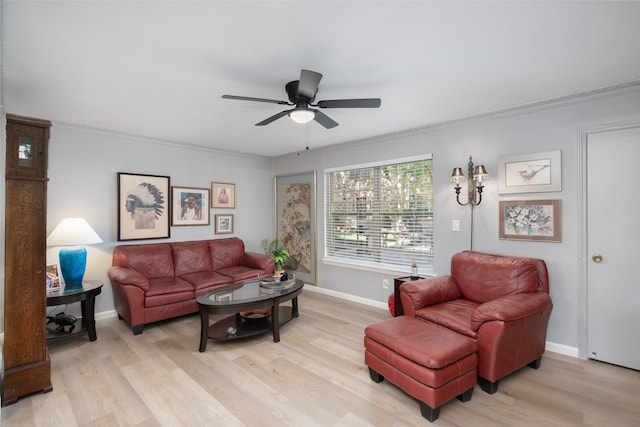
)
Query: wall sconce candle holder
[{"x": 474, "y": 184}]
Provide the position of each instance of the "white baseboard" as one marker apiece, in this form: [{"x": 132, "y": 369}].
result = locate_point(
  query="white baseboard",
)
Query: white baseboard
[
  {"x": 347, "y": 297},
  {"x": 106, "y": 314},
  {"x": 113, "y": 313},
  {"x": 561, "y": 349},
  {"x": 549, "y": 346}
]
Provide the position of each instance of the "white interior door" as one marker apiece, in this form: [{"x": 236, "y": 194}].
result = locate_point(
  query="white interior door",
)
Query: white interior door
[{"x": 613, "y": 243}]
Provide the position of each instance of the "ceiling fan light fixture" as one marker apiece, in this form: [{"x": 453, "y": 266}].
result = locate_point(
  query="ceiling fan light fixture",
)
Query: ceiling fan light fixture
[
  {"x": 302, "y": 115},
  {"x": 302, "y": 94}
]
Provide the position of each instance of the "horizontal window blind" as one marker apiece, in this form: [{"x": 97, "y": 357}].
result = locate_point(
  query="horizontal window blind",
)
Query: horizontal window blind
[{"x": 380, "y": 215}]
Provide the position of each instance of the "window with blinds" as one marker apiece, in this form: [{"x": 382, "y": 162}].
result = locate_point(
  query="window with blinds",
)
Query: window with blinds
[{"x": 380, "y": 215}]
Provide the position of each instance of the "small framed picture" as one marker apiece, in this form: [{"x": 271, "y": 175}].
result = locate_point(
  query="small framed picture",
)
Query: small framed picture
[
  {"x": 537, "y": 220},
  {"x": 53, "y": 279},
  {"x": 224, "y": 297},
  {"x": 223, "y": 195},
  {"x": 224, "y": 224},
  {"x": 189, "y": 206},
  {"x": 530, "y": 173}
]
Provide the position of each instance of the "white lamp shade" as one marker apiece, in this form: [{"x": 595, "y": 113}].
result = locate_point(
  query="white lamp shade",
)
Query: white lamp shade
[
  {"x": 72, "y": 232},
  {"x": 302, "y": 115}
]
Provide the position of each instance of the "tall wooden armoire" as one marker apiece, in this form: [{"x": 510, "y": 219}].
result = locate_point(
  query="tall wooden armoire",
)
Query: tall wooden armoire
[{"x": 27, "y": 368}]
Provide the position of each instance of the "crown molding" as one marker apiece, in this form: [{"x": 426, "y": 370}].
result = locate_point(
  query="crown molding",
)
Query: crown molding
[{"x": 608, "y": 91}]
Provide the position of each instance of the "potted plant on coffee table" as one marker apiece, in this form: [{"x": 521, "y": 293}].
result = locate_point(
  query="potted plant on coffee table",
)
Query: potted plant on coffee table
[{"x": 279, "y": 255}]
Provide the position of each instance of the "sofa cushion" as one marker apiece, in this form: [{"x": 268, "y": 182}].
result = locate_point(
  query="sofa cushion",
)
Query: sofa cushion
[
  {"x": 225, "y": 252},
  {"x": 455, "y": 315},
  {"x": 151, "y": 260},
  {"x": 240, "y": 273},
  {"x": 205, "y": 280},
  {"x": 191, "y": 257},
  {"x": 485, "y": 277},
  {"x": 168, "y": 290}
]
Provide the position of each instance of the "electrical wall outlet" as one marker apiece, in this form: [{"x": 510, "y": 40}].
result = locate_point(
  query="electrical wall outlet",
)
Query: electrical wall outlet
[{"x": 385, "y": 283}]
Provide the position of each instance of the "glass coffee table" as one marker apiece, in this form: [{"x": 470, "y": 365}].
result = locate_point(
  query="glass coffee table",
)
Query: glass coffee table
[{"x": 255, "y": 308}]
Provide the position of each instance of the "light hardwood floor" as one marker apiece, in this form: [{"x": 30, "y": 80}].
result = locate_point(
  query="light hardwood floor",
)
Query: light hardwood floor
[{"x": 315, "y": 376}]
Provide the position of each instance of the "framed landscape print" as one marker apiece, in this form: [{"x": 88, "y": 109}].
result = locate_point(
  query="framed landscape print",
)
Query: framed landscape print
[
  {"x": 530, "y": 173},
  {"x": 223, "y": 195},
  {"x": 189, "y": 206},
  {"x": 539, "y": 220},
  {"x": 296, "y": 222},
  {"x": 224, "y": 224},
  {"x": 143, "y": 206}
]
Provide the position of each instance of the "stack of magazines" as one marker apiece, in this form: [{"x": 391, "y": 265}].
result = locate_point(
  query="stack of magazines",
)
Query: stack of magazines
[{"x": 271, "y": 283}]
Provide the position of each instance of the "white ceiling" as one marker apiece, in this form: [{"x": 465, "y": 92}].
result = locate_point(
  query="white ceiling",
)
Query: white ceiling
[{"x": 158, "y": 68}]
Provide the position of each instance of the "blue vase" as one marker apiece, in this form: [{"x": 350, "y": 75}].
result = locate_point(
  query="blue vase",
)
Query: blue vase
[{"x": 73, "y": 262}]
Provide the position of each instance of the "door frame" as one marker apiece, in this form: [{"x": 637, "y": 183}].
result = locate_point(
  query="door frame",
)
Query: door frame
[{"x": 583, "y": 256}]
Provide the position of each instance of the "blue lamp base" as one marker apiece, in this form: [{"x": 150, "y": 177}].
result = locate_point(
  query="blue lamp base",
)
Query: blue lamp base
[{"x": 73, "y": 262}]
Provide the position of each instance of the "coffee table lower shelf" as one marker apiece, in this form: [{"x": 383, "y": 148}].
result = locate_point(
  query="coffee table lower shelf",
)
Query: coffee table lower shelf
[{"x": 247, "y": 327}]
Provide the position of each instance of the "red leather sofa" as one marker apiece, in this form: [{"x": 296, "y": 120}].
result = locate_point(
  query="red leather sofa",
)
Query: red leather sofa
[
  {"x": 500, "y": 301},
  {"x": 159, "y": 281}
]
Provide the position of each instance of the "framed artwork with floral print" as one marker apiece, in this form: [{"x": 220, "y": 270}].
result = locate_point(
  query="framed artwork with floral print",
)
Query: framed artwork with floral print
[
  {"x": 537, "y": 220},
  {"x": 296, "y": 222}
]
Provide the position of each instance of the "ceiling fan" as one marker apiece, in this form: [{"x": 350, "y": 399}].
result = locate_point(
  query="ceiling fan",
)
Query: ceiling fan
[{"x": 302, "y": 93}]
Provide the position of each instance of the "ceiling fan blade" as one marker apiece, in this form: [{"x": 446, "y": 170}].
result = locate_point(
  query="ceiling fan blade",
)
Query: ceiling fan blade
[
  {"x": 248, "y": 98},
  {"x": 351, "y": 103},
  {"x": 324, "y": 120},
  {"x": 273, "y": 118},
  {"x": 309, "y": 81}
]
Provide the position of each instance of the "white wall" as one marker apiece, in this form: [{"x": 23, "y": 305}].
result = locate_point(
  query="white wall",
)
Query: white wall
[
  {"x": 83, "y": 167},
  {"x": 535, "y": 129}
]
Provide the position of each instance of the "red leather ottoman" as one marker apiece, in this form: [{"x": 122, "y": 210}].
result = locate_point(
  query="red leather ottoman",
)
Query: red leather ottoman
[{"x": 427, "y": 361}]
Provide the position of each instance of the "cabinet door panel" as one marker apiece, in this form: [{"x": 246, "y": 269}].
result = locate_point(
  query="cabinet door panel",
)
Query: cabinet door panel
[{"x": 25, "y": 327}]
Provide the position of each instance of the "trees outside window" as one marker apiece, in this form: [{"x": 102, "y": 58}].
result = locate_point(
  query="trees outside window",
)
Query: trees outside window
[{"x": 380, "y": 215}]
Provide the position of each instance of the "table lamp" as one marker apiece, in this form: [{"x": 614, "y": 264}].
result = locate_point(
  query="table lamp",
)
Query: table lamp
[{"x": 71, "y": 233}]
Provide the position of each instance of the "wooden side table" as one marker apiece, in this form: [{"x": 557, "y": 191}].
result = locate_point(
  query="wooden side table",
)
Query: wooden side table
[
  {"x": 397, "y": 303},
  {"x": 87, "y": 298}
]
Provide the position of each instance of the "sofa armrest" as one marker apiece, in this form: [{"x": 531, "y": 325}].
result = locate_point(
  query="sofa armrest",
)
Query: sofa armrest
[
  {"x": 258, "y": 260},
  {"x": 510, "y": 308},
  {"x": 424, "y": 292},
  {"x": 128, "y": 276}
]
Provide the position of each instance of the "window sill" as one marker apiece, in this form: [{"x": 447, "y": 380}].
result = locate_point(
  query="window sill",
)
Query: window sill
[{"x": 375, "y": 268}]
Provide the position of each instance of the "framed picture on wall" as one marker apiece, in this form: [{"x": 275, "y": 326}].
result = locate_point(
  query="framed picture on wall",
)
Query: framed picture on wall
[
  {"x": 296, "y": 222},
  {"x": 538, "y": 220},
  {"x": 223, "y": 195},
  {"x": 143, "y": 206},
  {"x": 530, "y": 173},
  {"x": 189, "y": 206},
  {"x": 224, "y": 224}
]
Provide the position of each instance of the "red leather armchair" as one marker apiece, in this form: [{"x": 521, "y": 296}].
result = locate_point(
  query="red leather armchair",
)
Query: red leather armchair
[{"x": 500, "y": 301}]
